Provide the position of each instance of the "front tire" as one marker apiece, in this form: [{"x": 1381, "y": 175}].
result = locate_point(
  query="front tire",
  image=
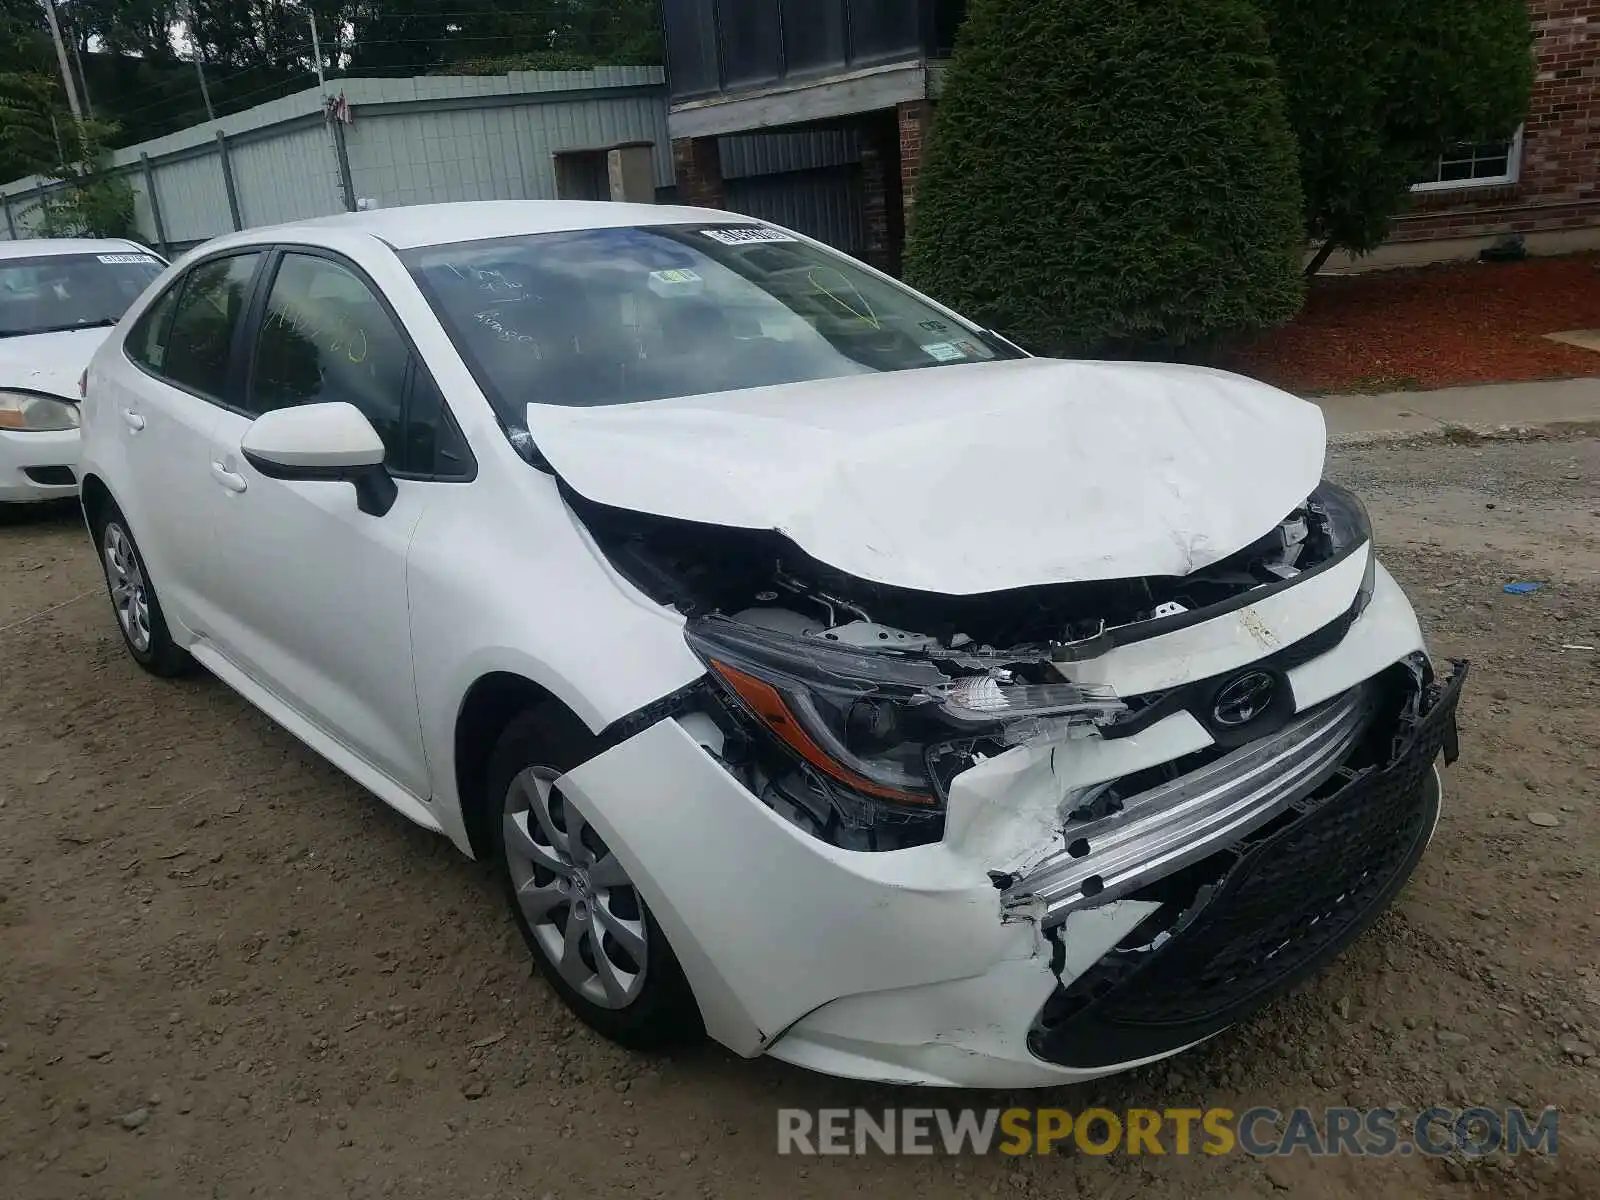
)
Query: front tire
[
  {"x": 133, "y": 599},
  {"x": 587, "y": 927}
]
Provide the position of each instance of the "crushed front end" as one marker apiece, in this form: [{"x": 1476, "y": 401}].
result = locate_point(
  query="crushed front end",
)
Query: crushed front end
[
  {"x": 1262, "y": 865},
  {"x": 1012, "y": 840}
]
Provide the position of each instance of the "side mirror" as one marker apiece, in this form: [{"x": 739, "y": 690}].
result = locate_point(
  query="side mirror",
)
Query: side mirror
[{"x": 322, "y": 442}]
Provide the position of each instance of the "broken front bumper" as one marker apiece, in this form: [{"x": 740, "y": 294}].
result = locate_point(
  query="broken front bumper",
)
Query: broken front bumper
[
  {"x": 1263, "y": 913},
  {"x": 955, "y": 963}
]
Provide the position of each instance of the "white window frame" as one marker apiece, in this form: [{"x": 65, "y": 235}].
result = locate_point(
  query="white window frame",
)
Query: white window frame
[{"x": 1513, "y": 173}]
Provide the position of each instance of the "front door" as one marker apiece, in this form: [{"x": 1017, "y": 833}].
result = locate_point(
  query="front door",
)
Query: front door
[{"x": 312, "y": 591}]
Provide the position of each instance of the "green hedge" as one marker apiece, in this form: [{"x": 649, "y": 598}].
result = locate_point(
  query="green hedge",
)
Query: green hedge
[
  {"x": 1114, "y": 178},
  {"x": 1376, "y": 89}
]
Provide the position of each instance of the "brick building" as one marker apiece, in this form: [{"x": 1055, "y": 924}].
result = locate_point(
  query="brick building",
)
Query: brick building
[
  {"x": 1542, "y": 180},
  {"x": 871, "y": 70}
]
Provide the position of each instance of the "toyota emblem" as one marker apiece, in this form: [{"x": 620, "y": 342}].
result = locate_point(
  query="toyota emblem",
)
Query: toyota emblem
[{"x": 1243, "y": 699}]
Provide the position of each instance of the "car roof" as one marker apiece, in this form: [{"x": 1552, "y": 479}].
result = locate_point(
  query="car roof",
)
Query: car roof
[
  {"x": 414, "y": 225},
  {"x": 41, "y": 247}
]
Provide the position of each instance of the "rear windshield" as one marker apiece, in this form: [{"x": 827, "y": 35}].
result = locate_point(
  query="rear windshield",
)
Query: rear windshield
[
  {"x": 54, "y": 292},
  {"x": 616, "y": 316}
]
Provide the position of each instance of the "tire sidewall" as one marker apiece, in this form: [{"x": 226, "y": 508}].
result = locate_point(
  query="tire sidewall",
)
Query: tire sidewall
[
  {"x": 163, "y": 656},
  {"x": 664, "y": 1014}
]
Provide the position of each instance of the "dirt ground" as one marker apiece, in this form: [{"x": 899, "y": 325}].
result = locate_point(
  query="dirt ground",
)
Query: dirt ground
[{"x": 226, "y": 971}]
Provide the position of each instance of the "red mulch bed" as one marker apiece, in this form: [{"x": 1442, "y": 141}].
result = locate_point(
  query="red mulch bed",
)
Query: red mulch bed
[{"x": 1464, "y": 323}]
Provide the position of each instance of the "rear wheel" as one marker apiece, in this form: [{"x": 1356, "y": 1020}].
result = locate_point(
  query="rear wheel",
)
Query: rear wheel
[
  {"x": 133, "y": 598},
  {"x": 579, "y": 912}
]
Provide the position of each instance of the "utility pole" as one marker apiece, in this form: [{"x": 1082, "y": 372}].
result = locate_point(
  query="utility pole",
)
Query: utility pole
[
  {"x": 66, "y": 67},
  {"x": 316, "y": 52},
  {"x": 341, "y": 155},
  {"x": 83, "y": 78},
  {"x": 205, "y": 94},
  {"x": 199, "y": 65}
]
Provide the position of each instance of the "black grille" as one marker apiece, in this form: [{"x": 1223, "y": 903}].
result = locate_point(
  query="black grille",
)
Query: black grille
[{"x": 1290, "y": 899}]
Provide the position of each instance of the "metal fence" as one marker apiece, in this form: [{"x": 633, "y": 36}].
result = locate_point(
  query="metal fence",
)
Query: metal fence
[{"x": 439, "y": 138}]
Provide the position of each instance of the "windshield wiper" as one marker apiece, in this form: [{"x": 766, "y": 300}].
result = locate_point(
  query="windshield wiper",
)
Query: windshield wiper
[{"x": 98, "y": 323}]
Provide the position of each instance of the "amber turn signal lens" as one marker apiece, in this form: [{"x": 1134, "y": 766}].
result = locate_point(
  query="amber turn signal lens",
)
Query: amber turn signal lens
[{"x": 767, "y": 703}]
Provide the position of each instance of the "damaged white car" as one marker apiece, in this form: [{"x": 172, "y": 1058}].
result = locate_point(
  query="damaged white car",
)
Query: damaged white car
[{"x": 819, "y": 670}]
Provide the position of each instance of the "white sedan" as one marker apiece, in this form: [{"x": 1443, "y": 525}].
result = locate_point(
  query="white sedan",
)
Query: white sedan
[
  {"x": 817, "y": 669},
  {"x": 59, "y": 298}
]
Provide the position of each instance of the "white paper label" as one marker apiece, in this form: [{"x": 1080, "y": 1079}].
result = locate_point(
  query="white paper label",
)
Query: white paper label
[
  {"x": 735, "y": 236},
  {"x": 676, "y": 275},
  {"x": 943, "y": 351},
  {"x": 126, "y": 258}
]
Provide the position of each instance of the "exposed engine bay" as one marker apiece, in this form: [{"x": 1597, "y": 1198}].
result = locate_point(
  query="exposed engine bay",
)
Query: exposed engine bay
[
  {"x": 700, "y": 569},
  {"x": 849, "y": 705}
]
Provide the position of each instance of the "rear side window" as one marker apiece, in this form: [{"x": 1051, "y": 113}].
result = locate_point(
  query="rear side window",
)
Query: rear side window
[{"x": 194, "y": 352}]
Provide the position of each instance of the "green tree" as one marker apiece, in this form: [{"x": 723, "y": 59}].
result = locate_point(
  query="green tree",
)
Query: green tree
[
  {"x": 1111, "y": 178},
  {"x": 30, "y": 133},
  {"x": 39, "y": 137},
  {"x": 1378, "y": 89}
]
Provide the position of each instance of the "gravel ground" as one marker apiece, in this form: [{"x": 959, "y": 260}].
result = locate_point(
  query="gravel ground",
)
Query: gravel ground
[{"x": 225, "y": 971}]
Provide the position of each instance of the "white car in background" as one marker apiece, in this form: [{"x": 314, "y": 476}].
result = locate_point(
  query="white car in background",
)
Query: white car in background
[
  {"x": 817, "y": 669},
  {"x": 59, "y": 298}
]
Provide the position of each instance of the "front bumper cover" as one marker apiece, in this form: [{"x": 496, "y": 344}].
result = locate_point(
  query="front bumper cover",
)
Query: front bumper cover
[
  {"x": 1283, "y": 901},
  {"x": 38, "y": 465},
  {"x": 909, "y": 966}
]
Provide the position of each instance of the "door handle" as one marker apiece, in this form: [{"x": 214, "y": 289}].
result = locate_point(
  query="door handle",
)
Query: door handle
[
  {"x": 231, "y": 480},
  {"x": 133, "y": 420}
]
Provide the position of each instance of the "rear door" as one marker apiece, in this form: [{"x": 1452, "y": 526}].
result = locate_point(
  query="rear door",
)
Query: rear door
[{"x": 164, "y": 415}]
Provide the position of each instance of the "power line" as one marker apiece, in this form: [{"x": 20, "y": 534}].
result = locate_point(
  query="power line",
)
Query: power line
[{"x": 214, "y": 81}]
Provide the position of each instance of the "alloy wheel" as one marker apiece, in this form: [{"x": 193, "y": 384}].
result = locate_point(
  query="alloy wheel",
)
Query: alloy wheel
[
  {"x": 129, "y": 595},
  {"x": 576, "y": 897}
]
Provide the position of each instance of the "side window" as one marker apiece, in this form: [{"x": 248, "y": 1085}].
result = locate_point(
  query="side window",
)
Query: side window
[
  {"x": 325, "y": 337},
  {"x": 434, "y": 445},
  {"x": 200, "y": 337},
  {"x": 147, "y": 340}
]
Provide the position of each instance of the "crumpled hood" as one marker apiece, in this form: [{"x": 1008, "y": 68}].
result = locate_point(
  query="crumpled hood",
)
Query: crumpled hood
[
  {"x": 49, "y": 362},
  {"x": 969, "y": 478}
]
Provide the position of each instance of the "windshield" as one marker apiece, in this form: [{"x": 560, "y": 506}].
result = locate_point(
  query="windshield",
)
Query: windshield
[
  {"x": 71, "y": 291},
  {"x": 615, "y": 316}
]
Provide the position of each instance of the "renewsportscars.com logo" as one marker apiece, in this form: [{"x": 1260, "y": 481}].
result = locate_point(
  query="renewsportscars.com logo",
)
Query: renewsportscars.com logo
[{"x": 1261, "y": 1132}]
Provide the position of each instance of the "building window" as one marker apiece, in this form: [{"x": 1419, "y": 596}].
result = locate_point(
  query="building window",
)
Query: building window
[{"x": 1487, "y": 164}]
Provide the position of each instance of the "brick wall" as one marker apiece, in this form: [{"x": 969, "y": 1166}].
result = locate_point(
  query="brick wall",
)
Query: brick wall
[
  {"x": 914, "y": 118},
  {"x": 698, "y": 167},
  {"x": 880, "y": 192},
  {"x": 1559, "y": 186}
]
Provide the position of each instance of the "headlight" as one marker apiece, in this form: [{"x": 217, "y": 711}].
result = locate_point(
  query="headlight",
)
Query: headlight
[
  {"x": 867, "y": 719},
  {"x": 34, "y": 413},
  {"x": 1346, "y": 525},
  {"x": 1343, "y": 516}
]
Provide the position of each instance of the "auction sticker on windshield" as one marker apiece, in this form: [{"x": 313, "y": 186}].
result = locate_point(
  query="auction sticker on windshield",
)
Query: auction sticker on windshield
[
  {"x": 742, "y": 236},
  {"x": 126, "y": 258}
]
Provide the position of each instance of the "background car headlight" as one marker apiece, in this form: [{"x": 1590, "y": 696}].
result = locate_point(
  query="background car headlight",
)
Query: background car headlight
[
  {"x": 866, "y": 719},
  {"x": 36, "y": 413}
]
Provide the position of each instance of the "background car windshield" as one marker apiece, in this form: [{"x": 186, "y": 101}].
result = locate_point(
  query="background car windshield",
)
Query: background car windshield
[
  {"x": 615, "y": 316},
  {"x": 71, "y": 291}
]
